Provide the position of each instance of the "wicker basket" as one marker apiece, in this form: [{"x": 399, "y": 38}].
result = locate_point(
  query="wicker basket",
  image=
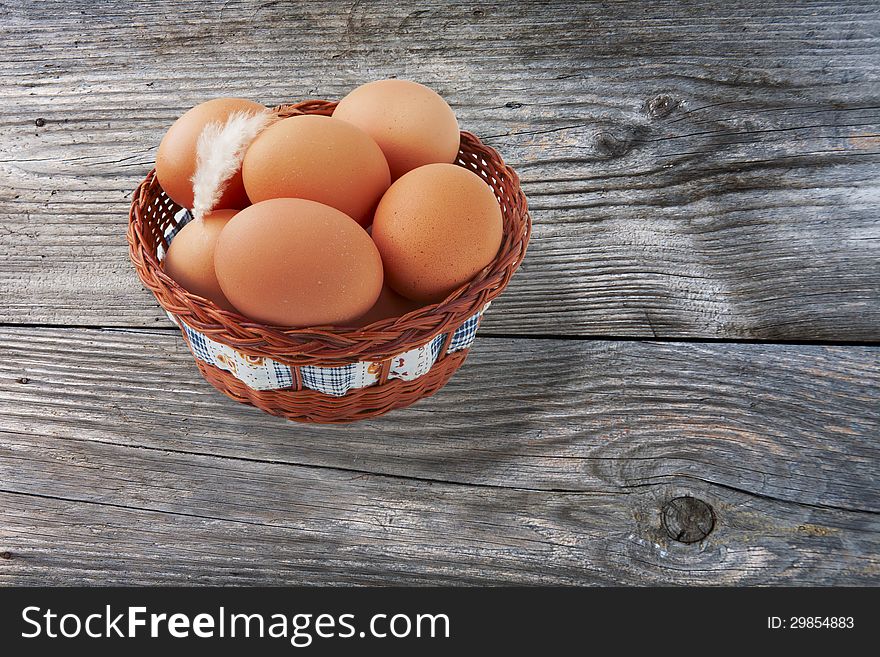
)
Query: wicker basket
[{"x": 154, "y": 218}]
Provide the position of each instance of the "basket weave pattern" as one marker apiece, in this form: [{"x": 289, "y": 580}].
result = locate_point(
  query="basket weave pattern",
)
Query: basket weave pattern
[{"x": 152, "y": 216}]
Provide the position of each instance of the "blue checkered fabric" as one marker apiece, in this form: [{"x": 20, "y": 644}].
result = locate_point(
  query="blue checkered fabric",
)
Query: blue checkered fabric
[
  {"x": 334, "y": 381},
  {"x": 436, "y": 346},
  {"x": 282, "y": 375},
  {"x": 465, "y": 334},
  {"x": 183, "y": 217},
  {"x": 198, "y": 344}
]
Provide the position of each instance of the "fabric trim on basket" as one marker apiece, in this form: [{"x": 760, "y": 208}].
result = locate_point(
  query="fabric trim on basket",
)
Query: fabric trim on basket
[{"x": 262, "y": 373}]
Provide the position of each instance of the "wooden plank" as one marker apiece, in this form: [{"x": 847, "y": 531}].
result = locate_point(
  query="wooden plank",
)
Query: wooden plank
[
  {"x": 702, "y": 173},
  {"x": 96, "y": 513},
  {"x": 773, "y": 420},
  {"x": 118, "y": 464}
]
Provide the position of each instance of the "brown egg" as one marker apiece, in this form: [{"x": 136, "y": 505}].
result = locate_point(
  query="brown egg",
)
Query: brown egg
[
  {"x": 190, "y": 258},
  {"x": 176, "y": 157},
  {"x": 436, "y": 228},
  {"x": 317, "y": 158},
  {"x": 389, "y": 304},
  {"x": 411, "y": 123},
  {"x": 294, "y": 262}
]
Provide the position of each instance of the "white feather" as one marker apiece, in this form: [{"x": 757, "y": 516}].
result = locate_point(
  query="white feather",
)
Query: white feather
[{"x": 219, "y": 152}]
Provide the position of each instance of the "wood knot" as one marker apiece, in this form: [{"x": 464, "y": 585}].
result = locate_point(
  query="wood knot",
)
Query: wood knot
[
  {"x": 6, "y": 555},
  {"x": 477, "y": 12},
  {"x": 23, "y": 380},
  {"x": 687, "y": 519},
  {"x": 661, "y": 106},
  {"x": 512, "y": 105},
  {"x": 611, "y": 145},
  {"x": 40, "y": 122}
]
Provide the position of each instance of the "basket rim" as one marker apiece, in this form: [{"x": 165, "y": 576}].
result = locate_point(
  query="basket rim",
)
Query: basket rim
[{"x": 335, "y": 345}]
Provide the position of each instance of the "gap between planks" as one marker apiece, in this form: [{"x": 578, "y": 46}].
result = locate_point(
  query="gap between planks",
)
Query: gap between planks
[{"x": 504, "y": 336}]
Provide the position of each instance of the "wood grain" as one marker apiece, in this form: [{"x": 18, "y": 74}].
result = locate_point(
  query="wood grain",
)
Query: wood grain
[
  {"x": 699, "y": 171},
  {"x": 212, "y": 524},
  {"x": 118, "y": 464},
  {"x": 707, "y": 171}
]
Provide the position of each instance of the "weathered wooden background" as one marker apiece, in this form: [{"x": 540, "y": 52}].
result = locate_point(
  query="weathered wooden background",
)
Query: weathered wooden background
[{"x": 698, "y": 314}]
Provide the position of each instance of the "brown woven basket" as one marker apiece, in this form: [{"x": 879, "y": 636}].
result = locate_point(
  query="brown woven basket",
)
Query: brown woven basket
[{"x": 153, "y": 213}]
